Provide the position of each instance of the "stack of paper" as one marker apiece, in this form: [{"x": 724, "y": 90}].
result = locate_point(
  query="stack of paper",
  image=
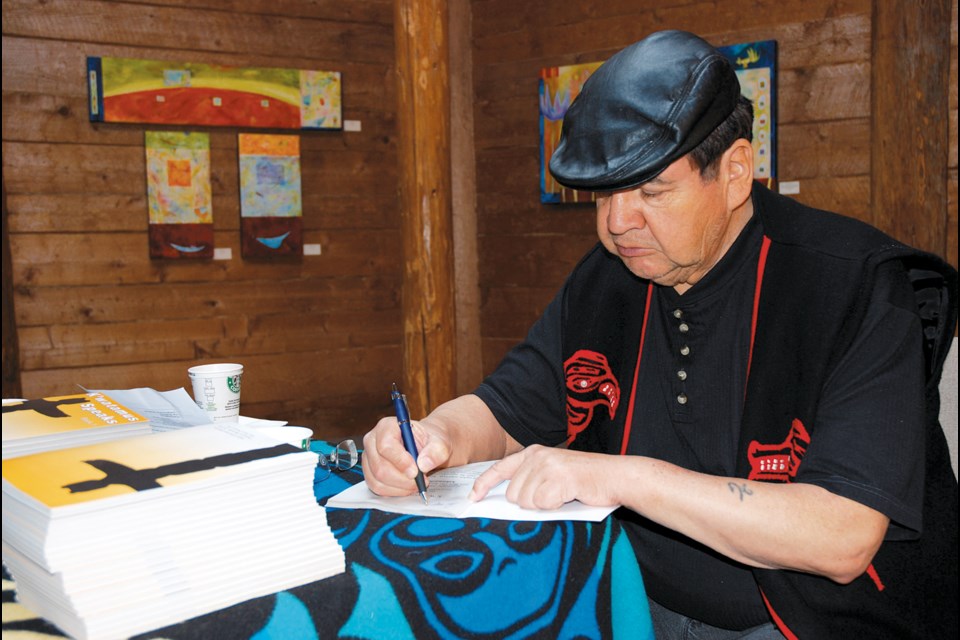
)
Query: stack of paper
[
  {"x": 31, "y": 426},
  {"x": 123, "y": 537}
]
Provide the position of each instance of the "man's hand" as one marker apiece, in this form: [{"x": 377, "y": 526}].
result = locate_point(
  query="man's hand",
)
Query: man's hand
[
  {"x": 547, "y": 478},
  {"x": 771, "y": 525},
  {"x": 388, "y": 468},
  {"x": 457, "y": 432}
]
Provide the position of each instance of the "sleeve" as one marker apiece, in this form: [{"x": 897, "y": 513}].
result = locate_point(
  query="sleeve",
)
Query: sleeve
[
  {"x": 868, "y": 445},
  {"x": 526, "y": 392}
]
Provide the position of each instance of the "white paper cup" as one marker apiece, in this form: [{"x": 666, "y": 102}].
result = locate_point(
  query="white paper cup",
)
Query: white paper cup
[
  {"x": 216, "y": 390},
  {"x": 297, "y": 436}
]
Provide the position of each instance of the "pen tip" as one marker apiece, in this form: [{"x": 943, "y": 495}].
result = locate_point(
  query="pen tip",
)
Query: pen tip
[{"x": 424, "y": 497}]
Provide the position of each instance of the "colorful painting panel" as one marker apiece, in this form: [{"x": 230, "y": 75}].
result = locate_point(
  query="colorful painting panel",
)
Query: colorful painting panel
[
  {"x": 756, "y": 63},
  {"x": 129, "y": 90},
  {"x": 558, "y": 88},
  {"x": 271, "y": 207},
  {"x": 179, "y": 194}
]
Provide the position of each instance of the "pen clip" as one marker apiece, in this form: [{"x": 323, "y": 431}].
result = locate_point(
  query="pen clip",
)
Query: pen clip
[{"x": 400, "y": 407}]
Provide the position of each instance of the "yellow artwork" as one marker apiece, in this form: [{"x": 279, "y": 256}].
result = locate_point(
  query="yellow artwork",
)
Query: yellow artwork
[
  {"x": 131, "y": 90},
  {"x": 558, "y": 88}
]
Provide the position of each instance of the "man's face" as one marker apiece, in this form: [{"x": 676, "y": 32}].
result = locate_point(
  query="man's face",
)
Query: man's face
[{"x": 671, "y": 230}]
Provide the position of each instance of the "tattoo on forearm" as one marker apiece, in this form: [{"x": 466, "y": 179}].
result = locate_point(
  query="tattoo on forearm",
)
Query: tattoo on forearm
[{"x": 742, "y": 489}]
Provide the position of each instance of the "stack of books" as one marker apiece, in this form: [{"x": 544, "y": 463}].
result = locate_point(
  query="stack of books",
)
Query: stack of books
[
  {"x": 31, "y": 426},
  {"x": 127, "y": 536}
]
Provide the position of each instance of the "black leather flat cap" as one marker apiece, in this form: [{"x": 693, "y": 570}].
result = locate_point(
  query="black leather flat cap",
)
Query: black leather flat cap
[{"x": 644, "y": 108}]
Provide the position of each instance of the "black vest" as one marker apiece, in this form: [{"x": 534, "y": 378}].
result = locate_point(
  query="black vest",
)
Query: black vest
[{"x": 817, "y": 276}]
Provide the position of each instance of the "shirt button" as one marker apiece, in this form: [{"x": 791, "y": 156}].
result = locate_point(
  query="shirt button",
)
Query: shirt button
[
  {"x": 682, "y": 374},
  {"x": 684, "y": 327},
  {"x": 677, "y": 313},
  {"x": 685, "y": 350},
  {"x": 682, "y": 398}
]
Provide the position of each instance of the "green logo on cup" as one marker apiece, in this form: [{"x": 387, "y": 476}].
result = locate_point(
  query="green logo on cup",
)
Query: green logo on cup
[{"x": 233, "y": 383}]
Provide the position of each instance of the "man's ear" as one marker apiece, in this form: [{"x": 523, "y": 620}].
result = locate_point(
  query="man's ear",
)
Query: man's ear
[{"x": 738, "y": 165}]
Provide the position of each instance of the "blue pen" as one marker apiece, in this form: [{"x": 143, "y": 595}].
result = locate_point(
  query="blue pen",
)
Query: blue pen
[{"x": 403, "y": 417}]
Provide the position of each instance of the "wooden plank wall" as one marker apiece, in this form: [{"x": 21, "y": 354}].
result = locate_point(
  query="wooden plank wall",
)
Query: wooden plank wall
[
  {"x": 526, "y": 249},
  {"x": 319, "y": 336}
]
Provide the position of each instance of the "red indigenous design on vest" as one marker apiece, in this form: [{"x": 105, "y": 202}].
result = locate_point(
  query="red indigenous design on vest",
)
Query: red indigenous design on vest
[
  {"x": 779, "y": 462},
  {"x": 590, "y": 383}
]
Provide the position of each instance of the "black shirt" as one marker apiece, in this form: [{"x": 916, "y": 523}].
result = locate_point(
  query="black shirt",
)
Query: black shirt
[{"x": 688, "y": 411}]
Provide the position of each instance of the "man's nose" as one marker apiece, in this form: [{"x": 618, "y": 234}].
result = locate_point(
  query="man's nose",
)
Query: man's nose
[{"x": 624, "y": 212}]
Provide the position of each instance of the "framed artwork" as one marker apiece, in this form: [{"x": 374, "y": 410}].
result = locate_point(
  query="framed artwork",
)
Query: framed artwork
[
  {"x": 756, "y": 64},
  {"x": 271, "y": 208},
  {"x": 129, "y": 90},
  {"x": 178, "y": 194},
  {"x": 558, "y": 87}
]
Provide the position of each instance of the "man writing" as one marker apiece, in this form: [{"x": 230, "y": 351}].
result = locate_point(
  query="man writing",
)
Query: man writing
[{"x": 750, "y": 379}]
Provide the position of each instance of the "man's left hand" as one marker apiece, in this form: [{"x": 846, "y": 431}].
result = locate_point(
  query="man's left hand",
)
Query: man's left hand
[{"x": 547, "y": 478}]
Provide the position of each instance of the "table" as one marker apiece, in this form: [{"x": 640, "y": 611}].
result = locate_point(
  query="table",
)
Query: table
[{"x": 425, "y": 577}]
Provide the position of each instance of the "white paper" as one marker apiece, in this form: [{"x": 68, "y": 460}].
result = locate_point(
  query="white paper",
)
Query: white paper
[
  {"x": 447, "y": 498},
  {"x": 175, "y": 409},
  {"x": 166, "y": 410},
  {"x": 256, "y": 423}
]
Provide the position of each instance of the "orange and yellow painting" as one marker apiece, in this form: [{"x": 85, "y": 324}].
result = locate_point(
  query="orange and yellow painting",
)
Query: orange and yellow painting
[
  {"x": 131, "y": 90},
  {"x": 558, "y": 88},
  {"x": 271, "y": 207},
  {"x": 179, "y": 194}
]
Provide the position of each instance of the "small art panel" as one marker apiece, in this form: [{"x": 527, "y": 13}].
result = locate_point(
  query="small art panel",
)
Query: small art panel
[
  {"x": 558, "y": 87},
  {"x": 129, "y": 90},
  {"x": 178, "y": 194},
  {"x": 756, "y": 64},
  {"x": 271, "y": 209}
]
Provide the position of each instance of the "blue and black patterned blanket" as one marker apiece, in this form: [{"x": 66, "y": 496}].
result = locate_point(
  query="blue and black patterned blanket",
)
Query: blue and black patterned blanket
[{"x": 424, "y": 577}]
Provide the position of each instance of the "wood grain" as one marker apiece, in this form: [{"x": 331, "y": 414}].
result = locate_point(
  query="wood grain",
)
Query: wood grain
[
  {"x": 324, "y": 336},
  {"x": 910, "y": 122},
  {"x": 429, "y": 307},
  {"x": 825, "y": 124},
  {"x": 93, "y": 309}
]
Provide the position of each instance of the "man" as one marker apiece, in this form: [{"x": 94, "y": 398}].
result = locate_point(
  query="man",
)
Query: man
[{"x": 753, "y": 381}]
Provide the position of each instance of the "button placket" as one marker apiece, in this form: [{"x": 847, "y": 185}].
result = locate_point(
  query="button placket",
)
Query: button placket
[{"x": 683, "y": 328}]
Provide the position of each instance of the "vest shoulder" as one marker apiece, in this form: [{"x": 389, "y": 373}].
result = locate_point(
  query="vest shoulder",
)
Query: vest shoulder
[{"x": 788, "y": 222}]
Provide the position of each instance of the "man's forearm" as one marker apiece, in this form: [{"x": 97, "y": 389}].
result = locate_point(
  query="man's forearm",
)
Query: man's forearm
[
  {"x": 778, "y": 526},
  {"x": 472, "y": 430}
]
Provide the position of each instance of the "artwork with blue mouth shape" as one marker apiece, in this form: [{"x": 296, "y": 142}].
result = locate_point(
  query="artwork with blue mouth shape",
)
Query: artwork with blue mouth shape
[
  {"x": 274, "y": 242},
  {"x": 183, "y": 249}
]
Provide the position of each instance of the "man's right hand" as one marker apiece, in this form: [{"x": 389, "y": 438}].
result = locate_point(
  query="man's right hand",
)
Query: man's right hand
[
  {"x": 388, "y": 468},
  {"x": 457, "y": 432}
]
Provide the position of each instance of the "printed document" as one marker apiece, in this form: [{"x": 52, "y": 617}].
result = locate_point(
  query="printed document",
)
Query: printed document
[{"x": 447, "y": 498}]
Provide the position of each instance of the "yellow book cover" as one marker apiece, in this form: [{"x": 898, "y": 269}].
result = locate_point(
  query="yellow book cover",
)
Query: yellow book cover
[
  {"x": 62, "y": 415},
  {"x": 124, "y": 470}
]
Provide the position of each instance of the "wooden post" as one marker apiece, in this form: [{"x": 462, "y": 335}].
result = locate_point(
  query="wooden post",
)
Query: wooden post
[
  {"x": 11, "y": 343},
  {"x": 463, "y": 175},
  {"x": 423, "y": 117},
  {"x": 910, "y": 126}
]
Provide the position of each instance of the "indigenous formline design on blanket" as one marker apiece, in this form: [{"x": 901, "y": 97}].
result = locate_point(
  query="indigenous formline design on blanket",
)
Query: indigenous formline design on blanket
[{"x": 425, "y": 577}]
